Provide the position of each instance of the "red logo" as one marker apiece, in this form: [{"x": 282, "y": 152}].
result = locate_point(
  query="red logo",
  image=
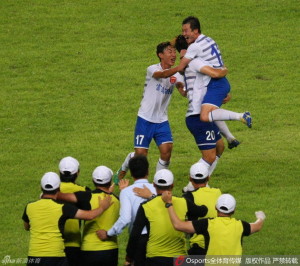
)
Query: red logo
[
  {"x": 173, "y": 79},
  {"x": 180, "y": 259}
]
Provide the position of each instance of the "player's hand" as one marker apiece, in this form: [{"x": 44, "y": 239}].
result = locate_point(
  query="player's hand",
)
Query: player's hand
[
  {"x": 143, "y": 192},
  {"x": 123, "y": 183},
  {"x": 260, "y": 215},
  {"x": 167, "y": 196},
  {"x": 102, "y": 234},
  {"x": 227, "y": 98},
  {"x": 105, "y": 203}
]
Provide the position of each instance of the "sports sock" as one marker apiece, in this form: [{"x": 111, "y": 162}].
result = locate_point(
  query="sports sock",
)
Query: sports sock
[
  {"x": 224, "y": 115},
  {"x": 224, "y": 130},
  {"x": 213, "y": 166},
  {"x": 125, "y": 164},
  {"x": 162, "y": 165}
]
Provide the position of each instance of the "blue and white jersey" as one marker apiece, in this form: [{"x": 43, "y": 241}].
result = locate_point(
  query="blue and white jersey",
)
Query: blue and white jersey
[
  {"x": 207, "y": 49},
  {"x": 157, "y": 95},
  {"x": 196, "y": 84}
]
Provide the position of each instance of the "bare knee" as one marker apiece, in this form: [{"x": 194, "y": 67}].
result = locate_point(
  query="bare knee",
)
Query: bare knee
[{"x": 204, "y": 117}]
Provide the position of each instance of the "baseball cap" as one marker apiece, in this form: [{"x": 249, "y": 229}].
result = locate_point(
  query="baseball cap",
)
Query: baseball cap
[
  {"x": 163, "y": 177},
  {"x": 50, "y": 181},
  {"x": 102, "y": 175},
  {"x": 198, "y": 171},
  {"x": 226, "y": 203},
  {"x": 69, "y": 164}
]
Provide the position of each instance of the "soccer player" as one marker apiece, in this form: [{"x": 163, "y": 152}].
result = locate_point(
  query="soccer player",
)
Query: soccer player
[
  {"x": 223, "y": 234},
  {"x": 206, "y": 134},
  {"x": 93, "y": 250},
  {"x": 202, "y": 195},
  {"x": 152, "y": 121},
  {"x": 45, "y": 220},
  {"x": 139, "y": 169},
  {"x": 206, "y": 48},
  {"x": 69, "y": 171},
  {"x": 164, "y": 242}
]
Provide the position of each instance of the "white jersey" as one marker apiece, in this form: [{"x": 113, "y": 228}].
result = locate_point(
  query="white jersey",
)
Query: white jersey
[
  {"x": 196, "y": 84},
  {"x": 207, "y": 49},
  {"x": 157, "y": 95}
]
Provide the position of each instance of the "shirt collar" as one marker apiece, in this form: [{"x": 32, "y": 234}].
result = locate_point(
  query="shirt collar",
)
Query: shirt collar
[{"x": 142, "y": 180}]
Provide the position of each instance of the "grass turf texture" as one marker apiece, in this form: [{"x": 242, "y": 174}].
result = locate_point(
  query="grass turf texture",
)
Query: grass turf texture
[{"x": 72, "y": 76}]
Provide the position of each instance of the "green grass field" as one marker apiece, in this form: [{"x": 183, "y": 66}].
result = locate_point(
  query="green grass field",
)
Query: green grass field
[{"x": 72, "y": 75}]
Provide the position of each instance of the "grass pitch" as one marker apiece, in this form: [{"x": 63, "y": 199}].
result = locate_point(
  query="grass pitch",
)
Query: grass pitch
[{"x": 72, "y": 76}]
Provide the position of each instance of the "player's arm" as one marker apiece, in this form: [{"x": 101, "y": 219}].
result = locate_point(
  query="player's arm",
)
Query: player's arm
[
  {"x": 181, "y": 89},
  {"x": 258, "y": 224},
  {"x": 26, "y": 226},
  {"x": 104, "y": 204},
  {"x": 165, "y": 73},
  {"x": 69, "y": 197},
  {"x": 183, "y": 226},
  {"x": 183, "y": 63},
  {"x": 214, "y": 72}
]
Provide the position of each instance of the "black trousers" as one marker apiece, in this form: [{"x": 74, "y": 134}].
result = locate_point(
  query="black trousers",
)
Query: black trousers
[
  {"x": 73, "y": 255},
  {"x": 159, "y": 261},
  {"x": 99, "y": 258}
]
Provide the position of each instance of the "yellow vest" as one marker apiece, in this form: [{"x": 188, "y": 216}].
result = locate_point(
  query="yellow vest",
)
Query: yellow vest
[
  {"x": 72, "y": 232},
  {"x": 205, "y": 196},
  {"x": 90, "y": 240},
  {"x": 164, "y": 240},
  {"x": 45, "y": 236},
  {"x": 225, "y": 236}
]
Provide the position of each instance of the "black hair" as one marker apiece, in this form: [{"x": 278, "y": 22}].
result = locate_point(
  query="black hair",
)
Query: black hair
[
  {"x": 162, "y": 187},
  {"x": 66, "y": 176},
  {"x": 194, "y": 23},
  {"x": 139, "y": 166},
  {"x": 51, "y": 192},
  {"x": 161, "y": 47},
  {"x": 108, "y": 184},
  {"x": 200, "y": 181}
]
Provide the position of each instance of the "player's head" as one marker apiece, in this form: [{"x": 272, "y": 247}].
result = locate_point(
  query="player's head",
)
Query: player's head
[
  {"x": 139, "y": 166},
  {"x": 191, "y": 29},
  {"x": 163, "y": 180},
  {"x": 166, "y": 53},
  {"x": 68, "y": 169},
  {"x": 199, "y": 173},
  {"x": 50, "y": 183},
  {"x": 226, "y": 204},
  {"x": 102, "y": 176}
]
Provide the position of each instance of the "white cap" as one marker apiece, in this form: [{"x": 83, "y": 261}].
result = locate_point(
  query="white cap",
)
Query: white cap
[
  {"x": 50, "y": 181},
  {"x": 226, "y": 203},
  {"x": 163, "y": 177},
  {"x": 198, "y": 171},
  {"x": 69, "y": 164},
  {"x": 102, "y": 175}
]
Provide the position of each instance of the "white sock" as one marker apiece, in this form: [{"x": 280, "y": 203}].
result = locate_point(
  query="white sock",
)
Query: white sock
[
  {"x": 224, "y": 115},
  {"x": 125, "y": 164},
  {"x": 213, "y": 166},
  {"x": 224, "y": 130},
  {"x": 162, "y": 165}
]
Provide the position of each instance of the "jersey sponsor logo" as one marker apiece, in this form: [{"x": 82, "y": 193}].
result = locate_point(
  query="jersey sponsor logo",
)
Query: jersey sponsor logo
[
  {"x": 163, "y": 89},
  {"x": 173, "y": 79}
]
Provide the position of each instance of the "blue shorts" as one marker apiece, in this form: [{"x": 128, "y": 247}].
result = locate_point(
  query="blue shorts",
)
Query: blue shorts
[
  {"x": 217, "y": 90},
  {"x": 145, "y": 131},
  {"x": 206, "y": 134}
]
